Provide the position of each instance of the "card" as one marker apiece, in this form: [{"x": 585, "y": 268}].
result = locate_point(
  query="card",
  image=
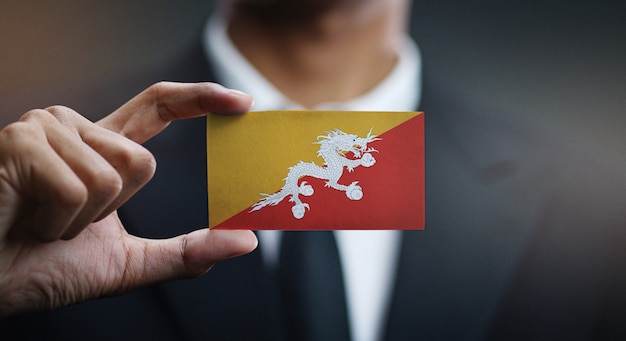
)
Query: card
[{"x": 316, "y": 170}]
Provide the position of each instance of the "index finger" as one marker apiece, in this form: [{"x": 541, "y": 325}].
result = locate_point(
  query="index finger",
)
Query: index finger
[{"x": 152, "y": 110}]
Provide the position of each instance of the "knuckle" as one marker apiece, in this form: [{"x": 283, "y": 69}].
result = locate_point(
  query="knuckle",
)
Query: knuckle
[
  {"x": 74, "y": 196},
  {"x": 15, "y": 130},
  {"x": 58, "y": 110},
  {"x": 106, "y": 183},
  {"x": 50, "y": 115},
  {"x": 156, "y": 94},
  {"x": 214, "y": 89},
  {"x": 156, "y": 87},
  {"x": 62, "y": 113},
  {"x": 137, "y": 163},
  {"x": 20, "y": 138},
  {"x": 38, "y": 115},
  {"x": 155, "y": 90},
  {"x": 144, "y": 164}
]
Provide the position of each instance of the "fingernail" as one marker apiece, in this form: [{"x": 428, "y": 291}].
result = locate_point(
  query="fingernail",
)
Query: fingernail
[
  {"x": 238, "y": 92},
  {"x": 242, "y": 95}
]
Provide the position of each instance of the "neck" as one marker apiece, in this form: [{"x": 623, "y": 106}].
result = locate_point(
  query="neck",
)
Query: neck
[{"x": 336, "y": 54}]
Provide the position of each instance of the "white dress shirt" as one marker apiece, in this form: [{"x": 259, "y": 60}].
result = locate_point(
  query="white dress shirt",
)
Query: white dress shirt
[{"x": 368, "y": 258}]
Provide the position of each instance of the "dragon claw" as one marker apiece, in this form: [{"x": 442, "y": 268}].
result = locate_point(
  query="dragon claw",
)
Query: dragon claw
[
  {"x": 354, "y": 191},
  {"x": 368, "y": 160},
  {"x": 299, "y": 210},
  {"x": 306, "y": 189}
]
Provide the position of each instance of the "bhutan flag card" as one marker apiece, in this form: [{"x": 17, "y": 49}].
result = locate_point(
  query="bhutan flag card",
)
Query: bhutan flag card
[{"x": 316, "y": 170}]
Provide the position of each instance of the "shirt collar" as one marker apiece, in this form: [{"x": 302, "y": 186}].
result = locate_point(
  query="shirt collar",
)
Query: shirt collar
[{"x": 399, "y": 91}]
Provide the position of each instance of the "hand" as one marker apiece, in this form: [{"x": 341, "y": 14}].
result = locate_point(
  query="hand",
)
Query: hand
[{"x": 62, "y": 179}]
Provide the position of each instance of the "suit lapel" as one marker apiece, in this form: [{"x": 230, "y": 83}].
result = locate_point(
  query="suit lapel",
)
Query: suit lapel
[{"x": 452, "y": 276}]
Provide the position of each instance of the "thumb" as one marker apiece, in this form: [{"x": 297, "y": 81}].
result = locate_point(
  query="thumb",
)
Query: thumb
[
  {"x": 188, "y": 255},
  {"x": 203, "y": 248}
]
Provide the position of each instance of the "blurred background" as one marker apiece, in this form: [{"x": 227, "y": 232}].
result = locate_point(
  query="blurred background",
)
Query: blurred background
[{"x": 560, "y": 64}]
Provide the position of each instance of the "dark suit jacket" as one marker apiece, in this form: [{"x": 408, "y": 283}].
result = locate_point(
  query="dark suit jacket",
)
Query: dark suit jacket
[{"x": 523, "y": 240}]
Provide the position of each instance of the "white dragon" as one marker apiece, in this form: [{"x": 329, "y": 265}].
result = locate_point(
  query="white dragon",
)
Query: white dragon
[{"x": 333, "y": 148}]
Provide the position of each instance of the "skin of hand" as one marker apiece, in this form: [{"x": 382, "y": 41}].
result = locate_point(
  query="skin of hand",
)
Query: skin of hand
[{"x": 62, "y": 178}]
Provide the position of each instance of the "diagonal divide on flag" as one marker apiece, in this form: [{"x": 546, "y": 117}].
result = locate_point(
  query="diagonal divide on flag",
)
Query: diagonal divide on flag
[{"x": 260, "y": 152}]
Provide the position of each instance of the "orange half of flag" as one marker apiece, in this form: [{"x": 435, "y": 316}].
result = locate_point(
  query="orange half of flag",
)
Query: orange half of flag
[{"x": 316, "y": 170}]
